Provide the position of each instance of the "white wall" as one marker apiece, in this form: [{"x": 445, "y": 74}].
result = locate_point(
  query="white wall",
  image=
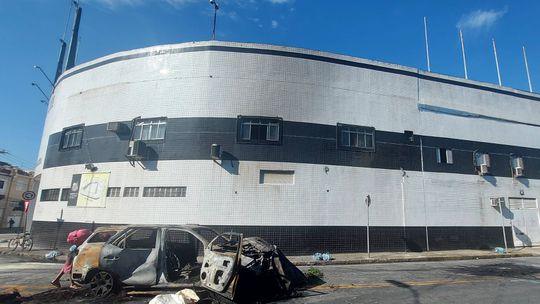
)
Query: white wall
[{"x": 215, "y": 197}]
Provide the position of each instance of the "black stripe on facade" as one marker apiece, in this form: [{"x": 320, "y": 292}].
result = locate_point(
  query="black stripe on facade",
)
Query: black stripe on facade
[
  {"x": 191, "y": 138},
  {"x": 335, "y": 239},
  {"x": 300, "y": 56}
]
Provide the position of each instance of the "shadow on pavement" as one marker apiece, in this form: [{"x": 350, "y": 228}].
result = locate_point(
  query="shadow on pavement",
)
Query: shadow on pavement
[
  {"x": 507, "y": 270},
  {"x": 399, "y": 284}
]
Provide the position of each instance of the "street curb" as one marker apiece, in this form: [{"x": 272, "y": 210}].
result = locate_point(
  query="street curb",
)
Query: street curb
[
  {"x": 413, "y": 259},
  {"x": 61, "y": 259}
]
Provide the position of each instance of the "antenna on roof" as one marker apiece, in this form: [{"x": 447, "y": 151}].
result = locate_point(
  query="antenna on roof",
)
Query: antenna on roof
[
  {"x": 72, "y": 53},
  {"x": 427, "y": 45},
  {"x": 463, "y": 54},
  {"x": 216, "y": 7},
  {"x": 527, "y": 69},
  {"x": 496, "y": 61},
  {"x": 62, "y": 55}
]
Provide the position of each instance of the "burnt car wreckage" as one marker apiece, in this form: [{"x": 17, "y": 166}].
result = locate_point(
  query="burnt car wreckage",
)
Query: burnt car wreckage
[{"x": 232, "y": 267}]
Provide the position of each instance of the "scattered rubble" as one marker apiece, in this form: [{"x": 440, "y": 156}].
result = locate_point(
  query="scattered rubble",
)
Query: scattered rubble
[{"x": 184, "y": 296}]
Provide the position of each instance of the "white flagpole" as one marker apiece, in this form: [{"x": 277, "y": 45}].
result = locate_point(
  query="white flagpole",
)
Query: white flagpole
[
  {"x": 427, "y": 45},
  {"x": 527, "y": 68},
  {"x": 496, "y": 61},
  {"x": 463, "y": 53}
]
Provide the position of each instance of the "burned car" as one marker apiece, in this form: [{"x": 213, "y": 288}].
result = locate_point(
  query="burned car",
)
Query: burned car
[
  {"x": 230, "y": 266},
  {"x": 140, "y": 256},
  {"x": 248, "y": 270}
]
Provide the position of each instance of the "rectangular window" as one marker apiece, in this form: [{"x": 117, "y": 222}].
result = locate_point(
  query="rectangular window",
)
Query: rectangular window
[
  {"x": 164, "y": 192},
  {"x": 150, "y": 129},
  {"x": 50, "y": 195},
  {"x": 113, "y": 192},
  {"x": 1, "y": 184},
  {"x": 131, "y": 191},
  {"x": 356, "y": 137},
  {"x": 259, "y": 130},
  {"x": 141, "y": 239},
  {"x": 71, "y": 138},
  {"x": 65, "y": 194},
  {"x": 276, "y": 177},
  {"x": 445, "y": 156}
]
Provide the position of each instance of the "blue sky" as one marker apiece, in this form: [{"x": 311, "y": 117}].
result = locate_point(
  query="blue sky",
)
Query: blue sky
[{"x": 390, "y": 31}]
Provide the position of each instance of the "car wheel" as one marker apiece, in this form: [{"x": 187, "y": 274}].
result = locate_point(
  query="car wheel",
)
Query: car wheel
[{"x": 102, "y": 284}]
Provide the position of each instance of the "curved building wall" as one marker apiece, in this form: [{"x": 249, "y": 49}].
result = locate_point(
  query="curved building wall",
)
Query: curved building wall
[{"x": 202, "y": 88}]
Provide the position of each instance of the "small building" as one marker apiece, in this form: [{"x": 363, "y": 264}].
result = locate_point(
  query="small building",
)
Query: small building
[{"x": 13, "y": 183}]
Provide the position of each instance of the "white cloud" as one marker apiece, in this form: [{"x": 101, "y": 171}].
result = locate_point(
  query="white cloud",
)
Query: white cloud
[
  {"x": 480, "y": 19},
  {"x": 179, "y": 3},
  {"x": 275, "y": 24},
  {"x": 279, "y": 1},
  {"x": 118, "y": 3}
]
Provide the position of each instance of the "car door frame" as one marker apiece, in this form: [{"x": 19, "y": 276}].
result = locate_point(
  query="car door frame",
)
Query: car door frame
[{"x": 140, "y": 266}]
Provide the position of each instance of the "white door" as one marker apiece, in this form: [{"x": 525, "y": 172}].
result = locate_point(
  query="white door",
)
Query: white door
[{"x": 526, "y": 221}]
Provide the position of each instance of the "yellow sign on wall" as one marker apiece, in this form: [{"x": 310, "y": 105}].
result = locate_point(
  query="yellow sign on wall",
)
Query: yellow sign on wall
[{"x": 93, "y": 189}]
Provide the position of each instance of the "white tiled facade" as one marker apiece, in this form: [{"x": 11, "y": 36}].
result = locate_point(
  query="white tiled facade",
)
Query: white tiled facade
[{"x": 227, "y": 84}]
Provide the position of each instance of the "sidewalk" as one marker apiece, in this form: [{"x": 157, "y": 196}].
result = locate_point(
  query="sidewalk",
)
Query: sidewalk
[
  {"x": 343, "y": 258},
  {"x": 426, "y": 256},
  {"x": 37, "y": 255}
]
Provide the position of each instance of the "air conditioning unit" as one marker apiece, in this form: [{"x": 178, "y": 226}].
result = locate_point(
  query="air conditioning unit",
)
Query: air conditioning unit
[
  {"x": 484, "y": 169},
  {"x": 494, "y": 202},
  {"x": 484, "y": 160},
  {"x": 215, "y": 152},
  {"x": 137, "y": 150},
  {"x": 518, "y": 166},
  {"x": 113, "y": 126}
]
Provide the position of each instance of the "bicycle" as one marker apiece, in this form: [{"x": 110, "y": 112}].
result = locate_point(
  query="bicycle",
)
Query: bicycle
[{"x": 24, "y": 239}]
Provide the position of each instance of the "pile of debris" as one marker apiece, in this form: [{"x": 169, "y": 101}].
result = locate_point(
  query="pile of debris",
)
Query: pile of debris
[{"x": 260, "y": 273}]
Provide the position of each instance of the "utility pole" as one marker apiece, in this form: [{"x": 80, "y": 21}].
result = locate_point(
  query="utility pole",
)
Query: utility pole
[{"x": 368, "y": 203}]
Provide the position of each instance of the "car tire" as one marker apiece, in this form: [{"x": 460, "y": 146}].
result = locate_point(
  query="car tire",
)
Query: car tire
[{"x": 102, "y": 284}]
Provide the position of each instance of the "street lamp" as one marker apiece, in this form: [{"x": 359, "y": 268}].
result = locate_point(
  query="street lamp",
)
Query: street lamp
[
  {"x": 216, "y": 7},
  {"x": 43, "y": 72},
  {"x": 39, "y": 88}
]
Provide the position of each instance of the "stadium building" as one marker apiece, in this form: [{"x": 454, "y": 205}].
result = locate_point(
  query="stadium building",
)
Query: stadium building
[{"x": 289, "y": 144}]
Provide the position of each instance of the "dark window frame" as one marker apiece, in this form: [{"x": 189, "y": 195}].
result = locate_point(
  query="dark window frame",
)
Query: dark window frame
[
  {"x": 64, "y": 194},
  {"x": 261, "y": 121},
  {"x": 442, "y": 158},
  {"x": 63, "y": 138},
  {"x": 150, "y": 121},
  {"x": 165, "y": 191},
  {"x": 47, "y": 195},
  {"x": 110, "y": 191},
  {"x": 361, "y": 129},
  {"x": 127, "y": 190}
]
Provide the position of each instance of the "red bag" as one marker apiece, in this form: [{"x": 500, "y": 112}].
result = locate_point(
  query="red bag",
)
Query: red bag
[{"x": 78, "y": 237}]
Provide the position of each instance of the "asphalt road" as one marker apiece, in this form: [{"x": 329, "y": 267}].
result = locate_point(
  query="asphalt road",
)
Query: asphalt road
[{"x": 481, "y": 281}]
